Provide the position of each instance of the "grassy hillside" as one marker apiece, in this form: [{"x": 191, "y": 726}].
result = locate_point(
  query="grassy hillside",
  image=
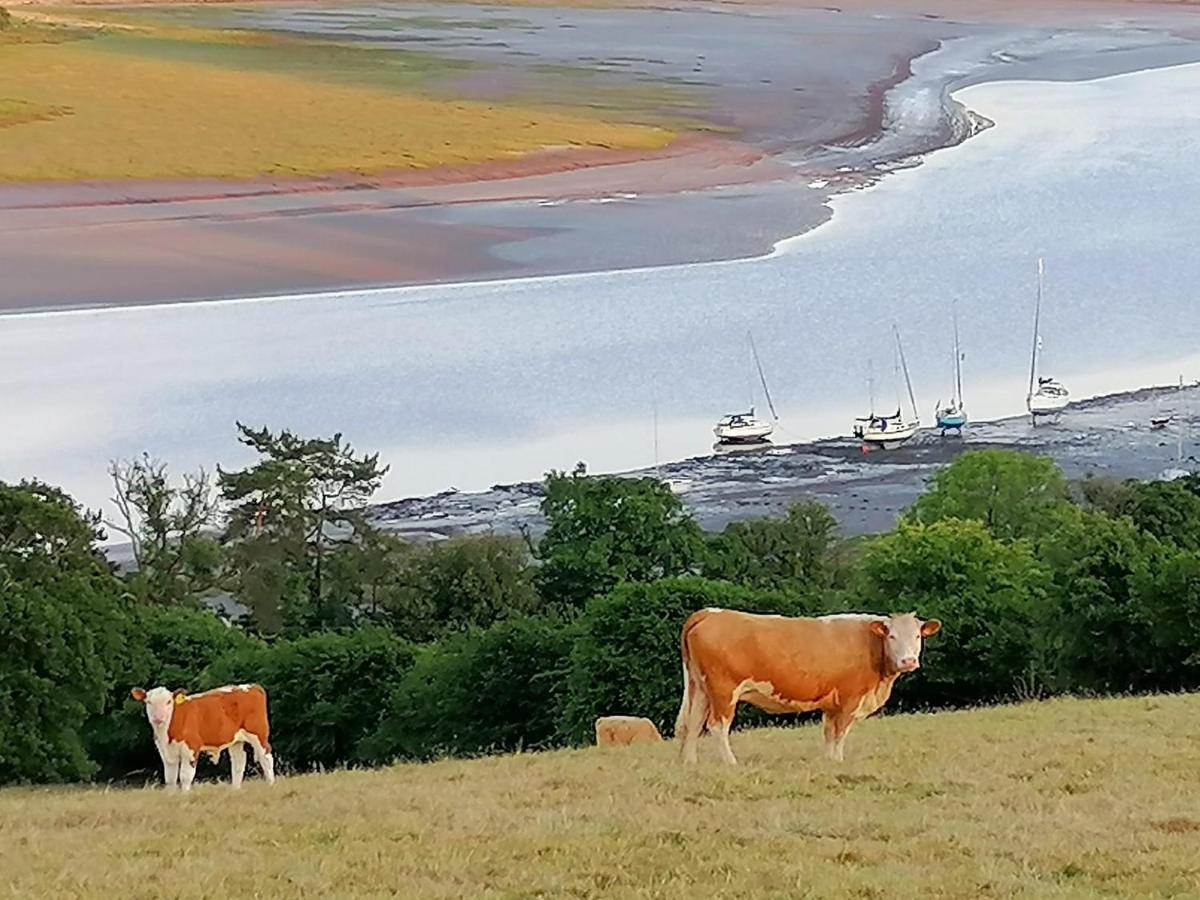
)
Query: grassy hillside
[{"x": 1059, "y": 799}]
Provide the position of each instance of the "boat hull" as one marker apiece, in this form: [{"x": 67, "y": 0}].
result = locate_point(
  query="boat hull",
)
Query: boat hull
[
  {"x": 893, "y": 436},
  {"x": 954, "y": 421},
  {"x": 746, "y": 434}
]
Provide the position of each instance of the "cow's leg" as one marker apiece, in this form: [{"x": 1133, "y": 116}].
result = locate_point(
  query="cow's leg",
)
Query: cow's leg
[
  {"x": 720, "y": 720},
  {"x": 693, "y": 725},
  {"x": 264, "y": 758},
  {"x": 837, "y": 724},
  {"x": 170, "y": 764},
  {"x": 237, "y": 763},
  {"x": 187, "y": 769}
]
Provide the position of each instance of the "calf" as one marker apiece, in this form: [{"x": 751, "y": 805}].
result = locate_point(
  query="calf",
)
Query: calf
[
  {"x": 226, "y": 718},
  {"x": 620, "y": 731},
  {"x": 842, "y": 665}
]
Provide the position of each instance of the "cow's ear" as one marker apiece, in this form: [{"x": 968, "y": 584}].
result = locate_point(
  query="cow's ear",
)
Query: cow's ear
[
  {"x": 138, "y": 694},
  {"x": 879, "y": 628},
  {"x": 180, "y": 697},
  {"x": 933, "y": 626}
]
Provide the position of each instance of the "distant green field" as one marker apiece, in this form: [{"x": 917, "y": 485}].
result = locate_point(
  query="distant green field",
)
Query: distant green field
[
  {"x": 1063, "y": 799},
  {"x": 118, "y": 94}
]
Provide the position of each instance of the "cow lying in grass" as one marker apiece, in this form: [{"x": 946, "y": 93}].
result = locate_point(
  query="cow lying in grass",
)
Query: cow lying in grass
[
  {"x": 844, "y": 666},
  {"x": 226, "y": 718},
  {"x": 621, "y": 731}
]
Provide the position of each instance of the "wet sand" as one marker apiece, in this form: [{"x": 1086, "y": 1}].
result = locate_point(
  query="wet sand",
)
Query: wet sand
[
  {"x": 1103, "y": 437},
  {"x": 829, "y": 109}
]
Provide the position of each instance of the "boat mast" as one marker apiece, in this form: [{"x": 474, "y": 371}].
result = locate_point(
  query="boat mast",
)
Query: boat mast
[
  {"x": 904, "y": 365},
  {"x": 762, "y": 378},
  {"x": 1037, "y": 323},
  {"x": 1179, "y": 431},
  {"x": 957, "y": 356},
  {"x": 871, "y": 385}
]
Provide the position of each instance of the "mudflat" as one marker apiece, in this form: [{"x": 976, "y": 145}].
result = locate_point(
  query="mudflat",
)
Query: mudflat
[{"x": 655, "y": 110}]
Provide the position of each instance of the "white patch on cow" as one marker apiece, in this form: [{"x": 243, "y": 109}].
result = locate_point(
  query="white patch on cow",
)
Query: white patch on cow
[
  {"x": 265, "y": 760},
  {"x": 767, "y": 690},
  {"x": 713, "y": 609},
  {"x": 224, "y": 689}
]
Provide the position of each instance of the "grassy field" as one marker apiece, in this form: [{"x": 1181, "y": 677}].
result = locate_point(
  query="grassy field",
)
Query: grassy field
[
  {"x": 114, "y": 99},
  {"x": 1064, "y": 799}
]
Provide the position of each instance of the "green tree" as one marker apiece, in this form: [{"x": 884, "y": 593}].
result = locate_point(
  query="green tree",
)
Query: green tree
[
  {"x": 1169, "y": 603},
  {"x": 170, "y": 529},
  {"x": 604, "y": 530},
  {"x": 62, "y": 617},
  {"x": 1100, "y": 630},
  {"x": 988, "y": 594},
  {"x": 495, "y": 690},
  {"x": 325, "y": 692},
  {"x": 1168, "y": 510},
  {"x": 302, "y": 502},
  {"x": 1014, "y": 494},
  {"x": 791, "y": 552},
  {"x": 626, "y": 658}
]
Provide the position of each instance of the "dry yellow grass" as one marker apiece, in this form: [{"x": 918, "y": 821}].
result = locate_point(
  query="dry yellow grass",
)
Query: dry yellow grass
[
  {"x": 125, "y": 113},
  {"x": 1065, "y": 799}
]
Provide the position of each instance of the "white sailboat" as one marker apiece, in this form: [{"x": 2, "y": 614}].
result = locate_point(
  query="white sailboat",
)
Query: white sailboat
[
  {"x": 952, "y": 416},
  {"x": 890, "y": 431},
  {"x": 1047, "y": 398},
  {"x": 747, "y": 428}
]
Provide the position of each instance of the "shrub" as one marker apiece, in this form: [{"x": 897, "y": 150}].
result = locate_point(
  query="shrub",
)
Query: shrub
[
  {"x": 61, "y": 620},
  {"x": 495, "y": 690},
  {"x": 987, "y": 594},
  {"x": 325, "y": 692},
  {"x": 1101, "y": 634},
  {"x": 789, "y": 552},
  {"x": 168, "y": 647},
  {"x": 604, "y": 530},
  {"x": 626, "y": 657},
  {"x": 1013, "y": 494}
]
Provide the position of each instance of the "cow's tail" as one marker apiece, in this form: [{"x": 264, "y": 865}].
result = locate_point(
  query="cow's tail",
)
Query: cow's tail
[{"x": 689, "y": 683}]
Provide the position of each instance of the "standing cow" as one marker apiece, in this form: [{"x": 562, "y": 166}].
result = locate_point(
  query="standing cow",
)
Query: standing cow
[
  {"x": 226, "y": 718},
  {"x": 842, "y": 665}
]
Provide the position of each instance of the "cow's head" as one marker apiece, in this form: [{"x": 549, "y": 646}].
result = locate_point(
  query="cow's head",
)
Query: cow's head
[
  {"x": 160, "y": 704},
  {"x": 902, "y": 636}
]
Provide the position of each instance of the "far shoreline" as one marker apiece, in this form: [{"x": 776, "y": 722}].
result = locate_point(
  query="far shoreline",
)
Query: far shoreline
[{"x": 119, "y": 227}]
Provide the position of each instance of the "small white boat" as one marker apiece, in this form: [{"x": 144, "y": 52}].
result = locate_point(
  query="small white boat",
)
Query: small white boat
[
  {"x": 746, "y": 427},
  {"x": 1047, "y": 397},
  {"x": 743, "y": 428},
  {"x": 889, "y": 431},
  {"x": 952, "y": 415}
]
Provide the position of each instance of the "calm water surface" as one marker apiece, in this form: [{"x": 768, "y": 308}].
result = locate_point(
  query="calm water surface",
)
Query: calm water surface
[{"x": 475, "y": 384}]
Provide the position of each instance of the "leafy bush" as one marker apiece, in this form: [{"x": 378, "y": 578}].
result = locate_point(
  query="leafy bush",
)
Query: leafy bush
[
  {"x": 1169, "y": 599},
  {"x": 1013, "y": 494},
  {"x": 61, "y": 619},
  {"x": 625, "y": 660},
  {"x": 602, "y": 531},
  {"x": 168, "y": 647},
  {"x": 790, "y": 552},
  {"x": 986, "y": 592},
  {"x": 462, "y": 583},
  {"x": 325, "y": 692},
  {"x": 1101, "y": 633},
  {"x": 495, "y": 690}
]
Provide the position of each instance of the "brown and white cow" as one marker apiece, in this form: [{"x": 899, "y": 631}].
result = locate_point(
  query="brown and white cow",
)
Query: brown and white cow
[
  {"x": 621, "y": 731},
  {"x": 843, "y": 665},
  {"x": 226, "y": 718}
]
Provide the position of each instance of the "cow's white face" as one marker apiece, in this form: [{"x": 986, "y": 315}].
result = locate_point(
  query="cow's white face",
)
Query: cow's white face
[
  {"x": 902, "y": 636},
  {"x": 159, "y": 703}
]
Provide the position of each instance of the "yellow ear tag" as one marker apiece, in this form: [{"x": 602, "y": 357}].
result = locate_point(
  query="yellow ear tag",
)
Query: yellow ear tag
[{"x": 180, "y": 699}]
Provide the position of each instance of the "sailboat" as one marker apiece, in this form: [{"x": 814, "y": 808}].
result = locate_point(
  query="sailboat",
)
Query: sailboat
[
  {"x": 1047, "y": 397},
  {"x": 1178, "y": 470},
  {"x": 894, "y": 430},
  {"x": 953, "y": 415},
  {"x": 747, "y": 428}
]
